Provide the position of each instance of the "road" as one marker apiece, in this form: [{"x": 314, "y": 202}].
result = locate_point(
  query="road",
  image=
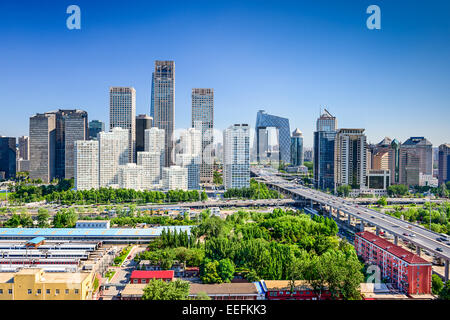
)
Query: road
[{"x": 421, "y": 237}]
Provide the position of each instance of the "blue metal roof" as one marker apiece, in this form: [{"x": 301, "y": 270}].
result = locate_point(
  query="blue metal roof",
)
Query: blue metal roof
[
  {"x": 89, "y": 232},
  {"x": 36, "y": 240}
]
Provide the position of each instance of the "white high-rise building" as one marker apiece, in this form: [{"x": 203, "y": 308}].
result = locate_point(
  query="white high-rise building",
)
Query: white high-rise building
[
  {"x": 86, "y": 165},
  {"x": 131, "y": 176},
  {"x": 113, "y": 152},
  {"x": 151, "y": 162},
  {"x": 192, "y": 164},
  {"x": 350, "y": 158},
  {"x": 190, "y": 155},
  {"x": 155, "y": 142},
  {"x": 122, "y": 113},
  {"x": 175, "y": 177},
  {"x": 236, "y": 156}
]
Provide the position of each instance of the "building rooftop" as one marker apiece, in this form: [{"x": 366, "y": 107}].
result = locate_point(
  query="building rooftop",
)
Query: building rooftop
[
  {"x": 35, "y": 240},
  {"x": 53, "y": 277},
  {"x": 223, "y": 288},
  {"x": 134, "y": 289},
  {"x": 91, "y": 232},
  {"x": 397, "y": 251},
  {"x": 285, "y": 285},
  {"x": 153, "y": 274}
]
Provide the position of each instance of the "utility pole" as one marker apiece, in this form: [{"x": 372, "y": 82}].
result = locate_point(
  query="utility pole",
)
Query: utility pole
[{"x": 430, "y": 212}]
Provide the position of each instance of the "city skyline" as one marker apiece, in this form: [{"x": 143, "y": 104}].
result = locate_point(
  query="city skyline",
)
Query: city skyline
[{"x": 384, "y": 76}]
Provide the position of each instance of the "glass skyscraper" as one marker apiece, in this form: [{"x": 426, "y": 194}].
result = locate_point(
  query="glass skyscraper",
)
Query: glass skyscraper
[
  {"x": 203, "y": 120},
  {"x": 263, "y": 121},
  {"x": 297, "y": 148},
  {"x": 324, "y": 139},
  {"x": 163, "y": 104}
]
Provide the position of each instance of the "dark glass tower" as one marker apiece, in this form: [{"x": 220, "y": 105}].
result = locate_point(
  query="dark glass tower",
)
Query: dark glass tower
[{"x": 7, "y": 157}]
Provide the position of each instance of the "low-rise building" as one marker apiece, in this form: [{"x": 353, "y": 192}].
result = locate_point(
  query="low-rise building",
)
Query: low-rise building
[
  {"x": 35, "y": 284},
  {"x": 140, "y": 276},
  {"x": 410, "y": 273},
  {"x": 227, "y": 291},
  {"x": 282, "y": 290}
]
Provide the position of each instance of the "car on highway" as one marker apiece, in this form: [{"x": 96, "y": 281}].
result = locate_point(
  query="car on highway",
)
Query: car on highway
[
  {"x": 438, "y": 249},
  {"x": 405, "y": 234},
  {"x": 372, "y": 217},
  {"x": 412, "y": 235}
]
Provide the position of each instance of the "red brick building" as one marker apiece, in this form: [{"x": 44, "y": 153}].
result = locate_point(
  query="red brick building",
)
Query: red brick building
[
  {"x": 139, "y": 276},
  {"x": 410, "y": 273}
]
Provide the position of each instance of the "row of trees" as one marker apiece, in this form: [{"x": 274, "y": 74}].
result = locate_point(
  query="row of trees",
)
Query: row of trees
[
  {"x": 255, "y": 191},
  {"x": 65, "y": 218},
  {"x": 64, "y": 194}
]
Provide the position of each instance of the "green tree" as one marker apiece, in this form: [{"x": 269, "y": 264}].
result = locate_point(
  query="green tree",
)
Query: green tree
[
  {"x": 208, "y": 272},
  {"x": 445, "y": 292},
  {"x": 225, "y": 269},
  {"x": 344, "y": 190},
  {"x": 171, "y": 290},
  {"x": 436, "y": 284},
  {"x": 382, "y": 201},
  {"x": 42, "y": 218}
]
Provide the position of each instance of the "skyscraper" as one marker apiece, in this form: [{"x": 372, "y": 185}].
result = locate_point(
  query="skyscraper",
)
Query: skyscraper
[
  {"x": 444, "y": 163},
  {"x": 394, "y": 161},
  {"x": 264, "y": 121},
  {"x": 350, "y": 165},
  {"x": 86, "y": 164},
  {"x": 24, "y": 148},
  {"x": 203, "y": 120},
  {"x": 416, "y": 159},
  {"x": 297, "y": 148},
  {"x": 42, "y": 146},
  {"x": 143, "y": 122},
  {"x": 7, "y": 157},
  {"x": 324, "y": 139},
  {"x": 75, "y": 129},
  {"x": 95, "y": 126},
  {"x": 113, "y": 152},
  {"x": 236, "y": 156},
  {"x": 122, "y": 114},
  {"x": 163, "y": 103},
  {"x": 131, "y": 176}
]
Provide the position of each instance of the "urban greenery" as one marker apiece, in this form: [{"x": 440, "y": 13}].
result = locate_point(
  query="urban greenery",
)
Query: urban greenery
[
  {"x": 256, "y": 190},
  {"x": 171, "y": 290}
]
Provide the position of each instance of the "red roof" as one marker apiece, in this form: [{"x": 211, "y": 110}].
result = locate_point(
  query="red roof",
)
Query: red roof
[
  {"x": 397, "y": 251},
  {"x": 158, "y": 274}
]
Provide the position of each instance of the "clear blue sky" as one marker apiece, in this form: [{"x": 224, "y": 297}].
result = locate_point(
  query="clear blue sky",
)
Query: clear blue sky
[{"x": 288, "y": 57}]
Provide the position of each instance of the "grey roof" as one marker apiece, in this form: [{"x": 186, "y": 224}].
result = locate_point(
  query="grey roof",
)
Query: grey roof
[
  {"x": 297, "y": 133},
  {"x": 414, "y": 141}
]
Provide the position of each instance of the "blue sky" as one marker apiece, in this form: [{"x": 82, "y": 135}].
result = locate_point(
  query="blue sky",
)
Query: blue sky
[{"x": 290, "y": 58}]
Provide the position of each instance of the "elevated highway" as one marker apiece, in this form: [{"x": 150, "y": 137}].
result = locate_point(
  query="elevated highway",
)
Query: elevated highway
[{"x": 415, "y": 234}]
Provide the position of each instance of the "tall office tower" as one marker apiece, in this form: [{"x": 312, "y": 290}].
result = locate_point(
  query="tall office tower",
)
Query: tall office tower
[
  {"x": 86, "y": 164},
  {"x": 7, "y": 157},
  {"x": 444, "y": 163},
  {"x": 264, "y": 121},
  {"x": 163, "y": 104},
  {"x": 122, "y": 114},
  {"x": 95, "y": 127},
  {"x": 394, "y": 161},
  {"x": 191, "y": 141},
  {"x": 378, "y": 155},
  {"x": 203, "y": 120},
  {"x": 416, "y": 159},
  {"x": 42, "y": 146},
  {"x": 151, "y": 162},
  {"x": 297, "y": 148},
  {"x": 236, "y": 156},
  {"x": 131, "y": 176},
  {"x": 24, "y": 148},
  {"x": 75, "y": 129},
  {"x": 113, "y": 152},
  {"x": 143, "y": 122},
  {"x": 323, "y": 154},
  {"x": 155, "y": 142},
  {"x": 350, "y": 165},
  {"x": 175, "y": 178}
]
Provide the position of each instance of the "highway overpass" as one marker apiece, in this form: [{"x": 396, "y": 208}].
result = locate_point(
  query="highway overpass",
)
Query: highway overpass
[{"x": 417, "y": 235}]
